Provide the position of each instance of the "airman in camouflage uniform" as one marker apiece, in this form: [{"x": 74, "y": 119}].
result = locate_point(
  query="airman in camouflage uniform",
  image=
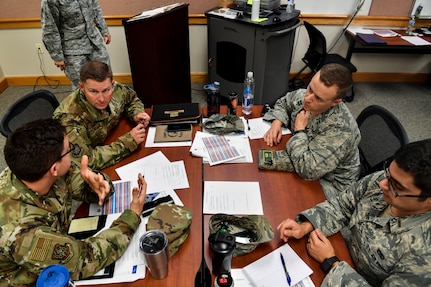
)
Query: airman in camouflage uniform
[
  {"x": 389, "y": 216},
  {"x": 36, "y": 194},
  {"x": 324, "y": 145},
  {"x": 72, "y": 32},
  {"x": 93, "y": 111}
]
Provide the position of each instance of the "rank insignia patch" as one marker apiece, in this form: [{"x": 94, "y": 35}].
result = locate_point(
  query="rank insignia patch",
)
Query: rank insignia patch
[{"x": 62, "y": 252}]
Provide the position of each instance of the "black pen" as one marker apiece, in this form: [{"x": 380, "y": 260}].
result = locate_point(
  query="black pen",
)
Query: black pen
[
  {"x": 140, "y": 189},
  {"x": 285, "y": 270},
  {"x": 248, "y": 126}
]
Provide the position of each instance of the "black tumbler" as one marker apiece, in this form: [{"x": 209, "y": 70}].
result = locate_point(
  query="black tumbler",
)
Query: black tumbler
[
  {"x": 222, "y": 245},
  {"x": 213, "y": 98}
]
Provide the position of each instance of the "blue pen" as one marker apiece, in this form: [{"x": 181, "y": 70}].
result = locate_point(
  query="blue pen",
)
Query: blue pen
[{"x": 285, "y": 270}]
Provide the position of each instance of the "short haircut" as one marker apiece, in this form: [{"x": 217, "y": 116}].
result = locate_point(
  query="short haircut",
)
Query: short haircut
[
  {"x": 415, "y": 159},
  {"x": 33, "y": 148},
  {"x": 95, "y": 70},
  {"x": 336, "y": 74}
]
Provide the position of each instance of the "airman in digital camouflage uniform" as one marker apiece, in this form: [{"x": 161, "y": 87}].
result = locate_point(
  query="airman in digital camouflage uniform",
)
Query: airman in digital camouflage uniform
[
  {"x": 324, "y": 145},
  {"x": 389, "y": 216},
  {"x": 36, "y": 192},
  {"x": 91, "y": 112},
  {"x": 74, "y": 32}
]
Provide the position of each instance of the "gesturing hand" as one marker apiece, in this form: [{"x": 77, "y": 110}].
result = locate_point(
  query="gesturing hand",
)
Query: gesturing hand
[{"x": 96, "y": 181}]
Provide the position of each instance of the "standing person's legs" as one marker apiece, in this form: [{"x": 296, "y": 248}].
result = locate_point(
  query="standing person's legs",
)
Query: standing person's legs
[
  {"x": 100, "y": 54},
  {"x": 73, "y": 67}
]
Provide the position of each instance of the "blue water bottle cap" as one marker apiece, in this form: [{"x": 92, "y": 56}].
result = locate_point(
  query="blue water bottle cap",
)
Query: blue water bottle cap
[{"x": 53, "y": 276}]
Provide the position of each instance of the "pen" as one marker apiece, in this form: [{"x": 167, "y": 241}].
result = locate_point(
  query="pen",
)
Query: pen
[
  {"x": 248, "y": 126},
  {"x": 140, "y": 189},
  {"x": 285, "y": 270}
]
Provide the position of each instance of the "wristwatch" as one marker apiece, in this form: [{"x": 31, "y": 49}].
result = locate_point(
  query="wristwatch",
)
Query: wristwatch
[{"x": 328, "y": 262}]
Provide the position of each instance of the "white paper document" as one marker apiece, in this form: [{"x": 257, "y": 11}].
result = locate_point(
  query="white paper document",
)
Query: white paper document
[
  {"x": 154, "y": 12},
  {"x": 239, "y": 141},
  {"x": 220, "y": 150},
  {"x": 258, "y": 127},
  {"x": 241, "y": 279},
  {"x": 415, "y": 40},
  {"x": 268, "y": 271},
  {"x": 355, "y": 30},
  {"x": 160, "y": 174},
  {"x": 129, "y": 267},
  {"x": 232, "y": 197}
]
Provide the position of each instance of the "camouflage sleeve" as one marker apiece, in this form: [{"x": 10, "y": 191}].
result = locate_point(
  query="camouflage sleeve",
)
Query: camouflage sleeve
[
  {"x": 81, "y": 191},
  {"x": 134, "y": 105},
  {"x": 343, "y": 275},
  {"x": 50, "y": 17},
  {"x": 314, "y": 157},
  {"x": 42, "y": 246},
  {"x": 412, "y": 271},
  {"x": 101, "y": 156},
  {"x": 98, "y": 19},
  {"x": 283, "y": 108},
  {"x": 333, "y": 214}
]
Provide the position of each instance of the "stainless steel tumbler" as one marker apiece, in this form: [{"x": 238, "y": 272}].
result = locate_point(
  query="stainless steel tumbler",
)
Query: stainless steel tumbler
[{"x": 154, "y": 244}]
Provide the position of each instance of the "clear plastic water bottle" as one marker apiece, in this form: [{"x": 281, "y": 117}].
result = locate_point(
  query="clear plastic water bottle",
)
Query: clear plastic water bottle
[
  {"x": 289, "y": 6},
  {"x": 411, "y": 27},
  {"x": 248, "y": 98}
]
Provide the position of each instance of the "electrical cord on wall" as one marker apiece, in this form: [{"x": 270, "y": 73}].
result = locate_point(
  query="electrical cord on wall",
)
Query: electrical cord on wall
[
  {"x": 358, "y": 7},
  {"x": 44, "y": 76}
]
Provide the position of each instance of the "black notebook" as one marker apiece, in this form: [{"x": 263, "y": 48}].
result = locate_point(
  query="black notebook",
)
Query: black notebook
[
  {"x": 371, "y": 39},
  {"x": 175, "y": 113}
]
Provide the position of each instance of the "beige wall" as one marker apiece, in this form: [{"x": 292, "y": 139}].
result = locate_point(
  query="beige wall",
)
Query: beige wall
[{"x": 18, "y": 54}]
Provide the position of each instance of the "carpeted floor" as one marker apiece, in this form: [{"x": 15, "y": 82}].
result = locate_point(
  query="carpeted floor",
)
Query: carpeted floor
[{"x": 409, "y": 102}]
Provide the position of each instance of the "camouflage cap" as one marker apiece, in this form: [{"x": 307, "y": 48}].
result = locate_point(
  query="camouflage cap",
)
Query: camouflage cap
[
  {"x": 223, "y": 124},
  {"x": 173, "y": 220},
  {"x": 255, "y": 227}
]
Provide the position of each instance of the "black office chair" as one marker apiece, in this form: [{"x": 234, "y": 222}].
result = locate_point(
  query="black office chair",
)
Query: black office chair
[
  {"x": 316, "y": 57},
  {"x": 36, "y": 105},
  {"x": 382, "y": 135}
]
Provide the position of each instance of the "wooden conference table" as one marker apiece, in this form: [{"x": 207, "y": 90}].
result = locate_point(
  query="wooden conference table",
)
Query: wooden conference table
[
  {"x": 283, "y": 195},
  {"x": 394, "y": 45}
]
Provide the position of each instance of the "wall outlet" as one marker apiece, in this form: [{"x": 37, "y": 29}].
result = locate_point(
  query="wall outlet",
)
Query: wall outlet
[{"x": 39, "y": 48}]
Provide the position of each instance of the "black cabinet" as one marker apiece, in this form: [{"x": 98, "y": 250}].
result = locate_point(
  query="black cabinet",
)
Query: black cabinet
[
  {"x": 159, "y": 56},
  {"x": 236, "y": 46}
]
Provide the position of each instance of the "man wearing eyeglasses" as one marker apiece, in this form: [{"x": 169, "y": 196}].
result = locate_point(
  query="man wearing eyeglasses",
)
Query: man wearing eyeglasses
[
  {"x": 389, "y": 216},
  {"x": 91, "y": 112},
  {"x": 36, "y": 192},
  {"x": 324, "y": 145}
]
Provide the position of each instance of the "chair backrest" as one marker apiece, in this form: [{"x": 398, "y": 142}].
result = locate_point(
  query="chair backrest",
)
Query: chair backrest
[
  {"x": 315, "y": 55},
  {"x": 36, "y": 105},
  {"x": 382, "y": 135}
]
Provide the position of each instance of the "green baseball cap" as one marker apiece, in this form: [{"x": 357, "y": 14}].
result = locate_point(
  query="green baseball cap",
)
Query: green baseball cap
[
  {"x": 174, "y": 221},
  {"x": 249, "y": 230},
  {"x": 223, "y": 124}
]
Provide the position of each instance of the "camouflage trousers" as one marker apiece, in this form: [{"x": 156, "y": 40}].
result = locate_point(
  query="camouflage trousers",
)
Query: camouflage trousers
[{"x": 74, "y": 63}]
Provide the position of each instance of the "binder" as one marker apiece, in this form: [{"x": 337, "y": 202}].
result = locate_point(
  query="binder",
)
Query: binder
[
  {"x": 371, "y": 39},
  {"x": 175, "y": 113}
]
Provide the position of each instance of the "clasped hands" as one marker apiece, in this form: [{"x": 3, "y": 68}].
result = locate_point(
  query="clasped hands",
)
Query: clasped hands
[
  {"x": 318, "y": 246},
  {"x": 142, "y": 121}
]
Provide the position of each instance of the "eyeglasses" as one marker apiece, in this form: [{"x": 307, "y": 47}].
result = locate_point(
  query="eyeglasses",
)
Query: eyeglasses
[
  {"x": 391, "y": 185},
  {"x": 66, "y": 153},
  {"x": 61, "y": 156}
]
